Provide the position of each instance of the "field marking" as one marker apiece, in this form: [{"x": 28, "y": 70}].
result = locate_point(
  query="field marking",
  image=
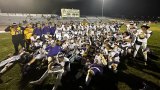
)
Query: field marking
[{"x": 3, "y": 32}]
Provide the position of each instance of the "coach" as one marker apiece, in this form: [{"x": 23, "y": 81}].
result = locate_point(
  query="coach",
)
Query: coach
[{"x": 17, "y": 36}]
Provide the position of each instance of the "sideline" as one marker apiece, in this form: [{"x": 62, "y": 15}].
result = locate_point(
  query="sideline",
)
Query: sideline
[{"x": 3, "y": 32}]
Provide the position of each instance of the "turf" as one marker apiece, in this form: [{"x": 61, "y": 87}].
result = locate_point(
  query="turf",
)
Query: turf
[{"x": 126, "y": 81}]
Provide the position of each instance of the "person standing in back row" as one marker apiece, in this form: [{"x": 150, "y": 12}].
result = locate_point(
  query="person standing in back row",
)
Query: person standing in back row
[
  {"x": 17, "y": 36},
  {"x": 28, "y": 33}
]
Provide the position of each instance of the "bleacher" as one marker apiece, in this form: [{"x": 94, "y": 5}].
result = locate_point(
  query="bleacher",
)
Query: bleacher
[
  {"x": 9, "y": 18},
  {"x": 92, "y": 19}
]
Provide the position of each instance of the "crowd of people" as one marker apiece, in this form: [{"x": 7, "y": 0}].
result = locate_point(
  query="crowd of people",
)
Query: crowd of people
[{"x": 93, "y": 45}]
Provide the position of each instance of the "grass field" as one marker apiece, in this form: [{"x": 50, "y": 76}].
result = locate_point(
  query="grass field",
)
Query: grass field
[{"x": 127, "y": 81}]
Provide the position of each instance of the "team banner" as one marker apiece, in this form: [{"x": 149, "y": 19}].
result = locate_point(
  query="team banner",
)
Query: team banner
[{"x": 70, "y": 13}]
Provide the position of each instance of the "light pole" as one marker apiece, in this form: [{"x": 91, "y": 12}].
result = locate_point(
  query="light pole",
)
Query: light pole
[{"x": 102, "y": 7}]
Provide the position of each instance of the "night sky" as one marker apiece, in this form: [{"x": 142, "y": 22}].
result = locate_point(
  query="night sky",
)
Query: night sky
[{"x": 87, "y": 7}]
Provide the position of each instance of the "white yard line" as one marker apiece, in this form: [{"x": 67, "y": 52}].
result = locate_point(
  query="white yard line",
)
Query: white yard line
[{"x": 3, "y": 32}]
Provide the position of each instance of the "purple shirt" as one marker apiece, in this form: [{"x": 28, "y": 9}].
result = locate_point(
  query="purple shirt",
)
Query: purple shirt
[
  {"x": 46, "y": 30},
  {"x": 53, "y": 51},
  {"x": 37, "y": 31}
]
